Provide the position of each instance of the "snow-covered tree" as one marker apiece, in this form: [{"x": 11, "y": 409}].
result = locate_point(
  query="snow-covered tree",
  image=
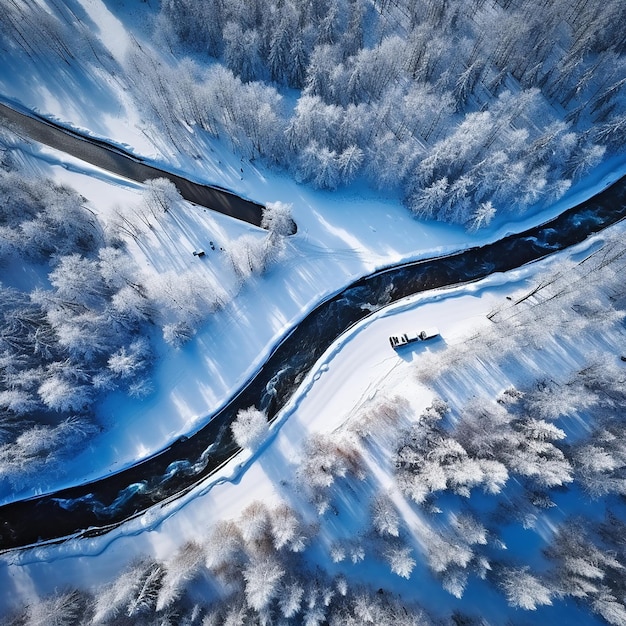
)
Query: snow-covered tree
[
  {"x": 584, "y": 568},
  {"x": 400, "y": 561},
  {"x": 385, "y": 517},
  {"x": 64, "y": 609},
  {"x": 323, "y": 63},
  {"x": 262, "y": 582},
  {"x": 133, "y": 593},
  {"x": 482, "y": 216},
  {"x": 374, "y": 70},
  {"x": 584, "y": 159},
  {"x": 60, "y": 394},
  {"x": 285, "y": 526},
  {"x": 428, "y": 201},
  {"x": 160, "y": 195},
  {"x": 177, "y": 333},
  {"x": 277, "y": 218},
  {"x": 224, "y": 546},
  {"x": 610, "y": 608},
  {"x": 250, "y": 254},
  {"x": 250, "y": 428},
  {"x": 128, "y": 361},
  {"x": 131, "y": 307},
  {"x": 320, "y": 165},
  {"x": 290, "y": 599},
  {"x": 350, "y": 161},
  {"x": 17, "y": 401},
  {"x": 327, "y": 458},
  {"x": 523, "y": 590},
  {"x": 254, "y": 524},
  {"x": 242, "y": 51},
  {"x": 182, "y": 296},
  {"x": 382, "y": 419},
  {"x": 182, "y": 568},
  {"x": 78, "y": 282},
  {"x": 454, "y": 581}
]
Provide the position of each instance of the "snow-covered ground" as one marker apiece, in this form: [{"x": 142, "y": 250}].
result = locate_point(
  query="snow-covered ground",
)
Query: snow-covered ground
[
  {"x": 355, "y": 370},
  {"x": 341, "y": 236},
  {"x": 331, "y": 249}
]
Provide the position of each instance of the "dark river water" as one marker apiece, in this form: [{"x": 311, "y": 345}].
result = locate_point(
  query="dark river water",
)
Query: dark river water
[{"x": 95, "y": 507}]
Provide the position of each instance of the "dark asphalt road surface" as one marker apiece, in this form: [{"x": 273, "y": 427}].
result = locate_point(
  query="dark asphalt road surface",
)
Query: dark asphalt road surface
[{"x": 118, "y": 161}]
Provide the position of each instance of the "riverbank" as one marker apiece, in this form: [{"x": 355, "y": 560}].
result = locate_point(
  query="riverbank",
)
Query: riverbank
[
  {"x": 332, "y": 249},
  {"x": 164, "y": 476}
]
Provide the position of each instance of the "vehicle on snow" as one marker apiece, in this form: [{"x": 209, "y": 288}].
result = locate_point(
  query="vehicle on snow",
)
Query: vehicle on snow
[{"x": 398, "y": 341}]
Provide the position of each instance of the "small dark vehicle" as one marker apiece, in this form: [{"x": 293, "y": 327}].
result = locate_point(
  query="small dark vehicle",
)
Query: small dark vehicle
[{"x": 398, "y": 341}]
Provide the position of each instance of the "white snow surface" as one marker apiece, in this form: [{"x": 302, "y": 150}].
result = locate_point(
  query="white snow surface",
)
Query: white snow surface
[{"x": 342, "y": 235}]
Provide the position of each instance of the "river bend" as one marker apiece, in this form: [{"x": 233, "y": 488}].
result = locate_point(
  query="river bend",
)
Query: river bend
[{"x": 95, "y": 507}]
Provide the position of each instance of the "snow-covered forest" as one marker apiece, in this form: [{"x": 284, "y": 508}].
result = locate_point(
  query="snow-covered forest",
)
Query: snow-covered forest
[
  {"x": 529, "y": 449},
  {"x": 477, "y": 480},
  {"x": 79, "y": 319},
  {"x": 465, "y": 109}
]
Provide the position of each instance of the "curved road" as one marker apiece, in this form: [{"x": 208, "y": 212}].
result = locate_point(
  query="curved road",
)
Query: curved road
[
  {"x": 96, "y": 507},
  {"x": 124, "y": 164}
]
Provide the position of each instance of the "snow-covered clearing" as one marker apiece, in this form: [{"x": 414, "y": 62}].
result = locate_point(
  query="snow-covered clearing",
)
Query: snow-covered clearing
[{"x": 192, "y": 382}]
